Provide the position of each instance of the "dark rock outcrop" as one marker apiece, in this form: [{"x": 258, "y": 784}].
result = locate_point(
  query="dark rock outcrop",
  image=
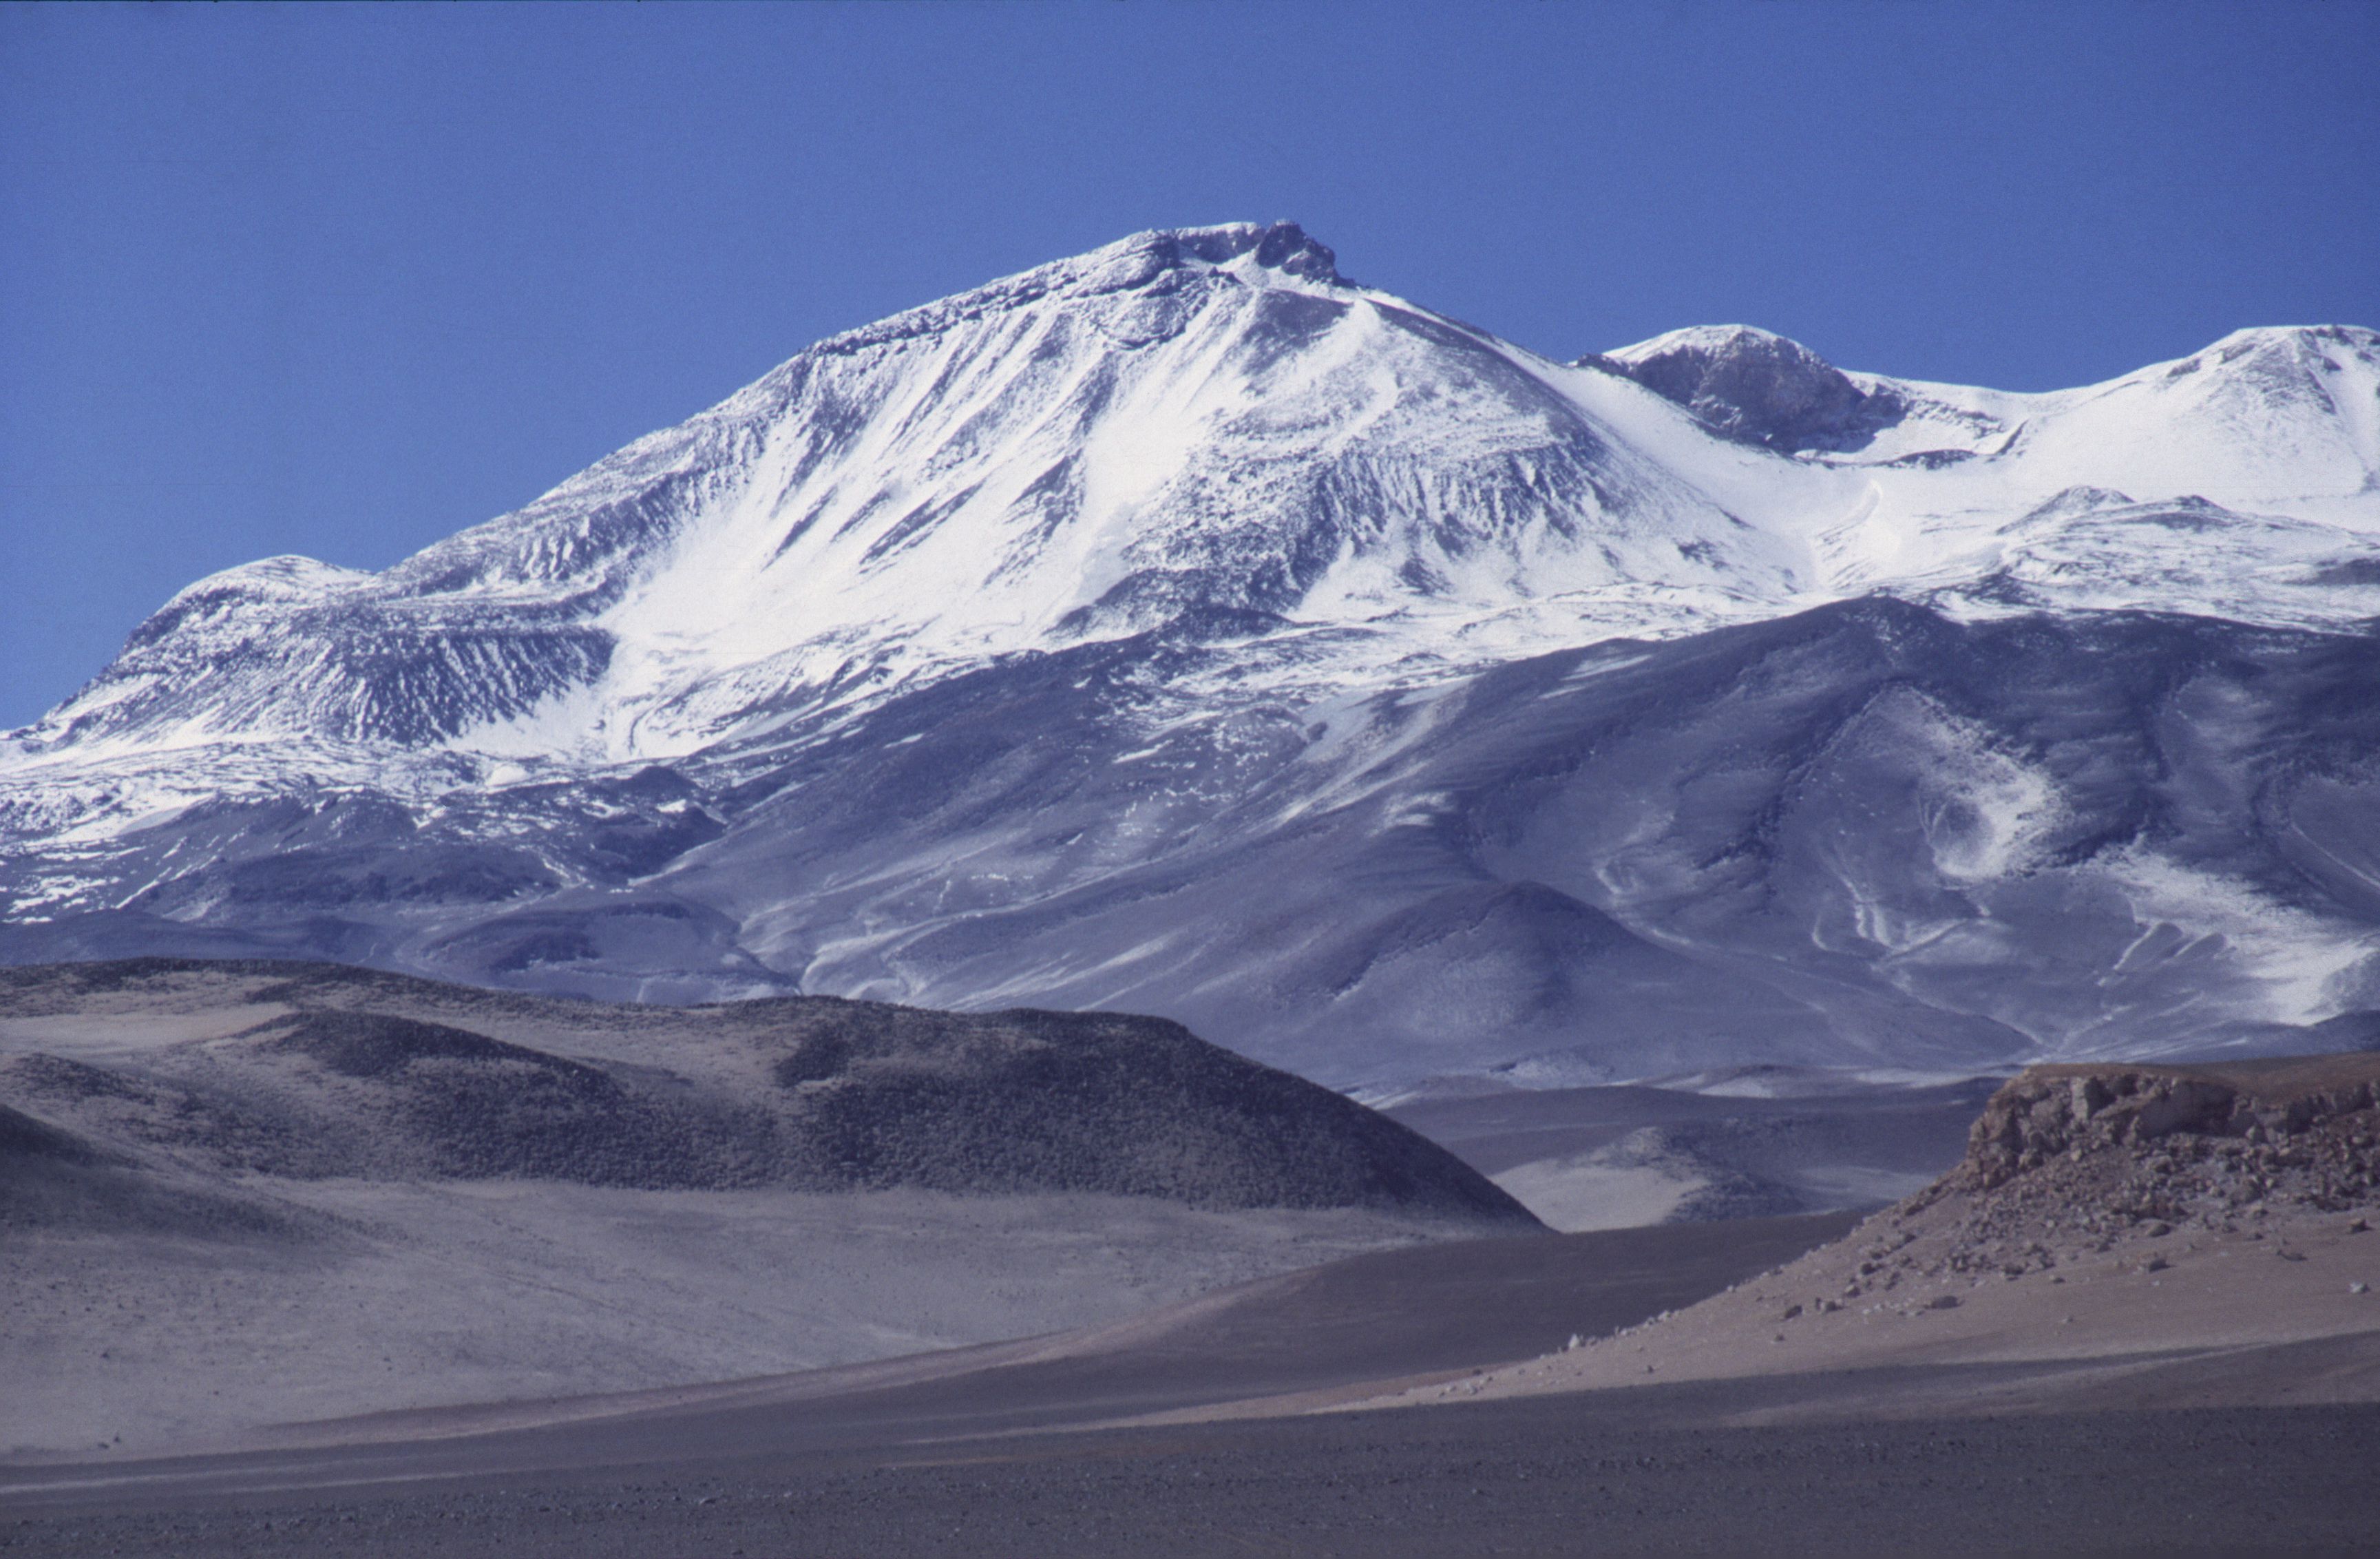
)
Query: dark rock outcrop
[
  {"x": 1759, "y": 388},
  {"x": 2071, "y": 1163}
]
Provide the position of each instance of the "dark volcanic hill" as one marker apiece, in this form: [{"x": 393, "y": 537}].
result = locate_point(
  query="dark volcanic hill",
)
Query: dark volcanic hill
[
  {"x": 244, "y": 1193},
  {"x": 312, "y": 1071}
]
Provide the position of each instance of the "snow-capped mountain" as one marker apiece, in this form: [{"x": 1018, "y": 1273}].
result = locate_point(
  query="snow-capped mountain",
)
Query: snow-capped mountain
[
  {"x": 1184, "y": 423},
  {"x": 1184, "y": 628}
]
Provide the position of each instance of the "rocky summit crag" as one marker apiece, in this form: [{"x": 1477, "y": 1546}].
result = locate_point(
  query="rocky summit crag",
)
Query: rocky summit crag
[{"x": 1186, "y": 628}]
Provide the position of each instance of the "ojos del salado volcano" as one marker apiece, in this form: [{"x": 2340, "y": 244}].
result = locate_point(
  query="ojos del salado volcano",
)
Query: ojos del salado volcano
[{"x": 1185, "y": 628}]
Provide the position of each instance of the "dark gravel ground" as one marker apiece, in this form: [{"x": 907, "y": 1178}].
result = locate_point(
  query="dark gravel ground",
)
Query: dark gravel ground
[
  {"x": 976, "y": 1461},
  {"x": 1432, "y": 1309},
  {"x": 1533, "y": 1477}
]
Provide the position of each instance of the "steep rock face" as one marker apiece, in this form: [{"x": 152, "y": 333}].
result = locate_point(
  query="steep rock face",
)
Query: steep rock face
[
  {"x": 2209, "y": 1225},
  {"x": 1183, "y": 628},
  {"x": 2072, "y": 1165}
]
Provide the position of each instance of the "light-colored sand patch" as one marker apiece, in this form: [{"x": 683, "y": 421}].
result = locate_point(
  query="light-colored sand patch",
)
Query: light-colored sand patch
[
  {"x": 1855, "y": 1186},
  {"x": 1584, "y": 1191},
  {"x": 99, "y": 1036}
]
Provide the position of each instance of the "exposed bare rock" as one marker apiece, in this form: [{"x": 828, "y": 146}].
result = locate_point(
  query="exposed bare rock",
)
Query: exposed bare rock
[
  {"x": 2072, "y": 1162},
  {"x": 2094, "y": 1156},
  {"x": 2051, "y": 1111}
]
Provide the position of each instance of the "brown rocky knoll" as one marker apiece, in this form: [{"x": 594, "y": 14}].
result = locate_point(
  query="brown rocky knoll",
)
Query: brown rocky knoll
[{"x": 2130, "y": 1235}]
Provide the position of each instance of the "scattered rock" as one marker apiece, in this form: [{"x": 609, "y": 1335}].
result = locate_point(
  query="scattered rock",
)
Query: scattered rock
[{"x": 2073, "y": 1161}]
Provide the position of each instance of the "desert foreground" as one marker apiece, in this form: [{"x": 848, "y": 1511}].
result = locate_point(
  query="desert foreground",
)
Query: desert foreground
[{"x": 2139, "y": 1317}]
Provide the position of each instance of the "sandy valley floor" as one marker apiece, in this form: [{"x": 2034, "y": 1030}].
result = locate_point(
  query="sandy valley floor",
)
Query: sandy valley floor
[{"x": 472, "y": 1293}]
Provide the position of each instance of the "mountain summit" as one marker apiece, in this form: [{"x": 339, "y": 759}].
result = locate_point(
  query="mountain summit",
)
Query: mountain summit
[{"x": 1184, "y": 628}]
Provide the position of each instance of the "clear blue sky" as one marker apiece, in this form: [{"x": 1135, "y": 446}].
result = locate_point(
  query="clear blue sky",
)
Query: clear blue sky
[{"x": 342, "y": 280}]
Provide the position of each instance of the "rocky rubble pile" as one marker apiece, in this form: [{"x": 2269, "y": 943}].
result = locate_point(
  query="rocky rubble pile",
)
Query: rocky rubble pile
[{"x": 2069, "y": 1161}]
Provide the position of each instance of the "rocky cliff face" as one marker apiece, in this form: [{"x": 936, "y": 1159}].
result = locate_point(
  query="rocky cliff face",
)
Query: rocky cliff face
[
  {"x": 2183, "y": 1236},
  {"x": 2073, "y": 1170}
]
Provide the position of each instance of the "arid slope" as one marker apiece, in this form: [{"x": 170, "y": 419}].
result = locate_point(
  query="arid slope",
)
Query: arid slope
[{"x": 2146, "y": 1236}]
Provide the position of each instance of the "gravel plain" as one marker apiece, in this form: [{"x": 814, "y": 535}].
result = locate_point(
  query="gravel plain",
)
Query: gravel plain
[
  {"x": 1013, "y": 1449},
  {"x": 1533, "y": 1477}
]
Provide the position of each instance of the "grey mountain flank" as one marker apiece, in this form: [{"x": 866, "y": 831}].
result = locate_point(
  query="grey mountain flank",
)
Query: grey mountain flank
[{"x": 1764, "y": 843}]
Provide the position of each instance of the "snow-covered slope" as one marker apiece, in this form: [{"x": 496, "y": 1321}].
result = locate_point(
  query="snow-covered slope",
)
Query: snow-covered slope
[
  {"x": 1054, "y": 642},
  {"x": 2268, "y": 416},
  {"x": 2264, "y": 450},
  {"x": 1180, "y": 424}
]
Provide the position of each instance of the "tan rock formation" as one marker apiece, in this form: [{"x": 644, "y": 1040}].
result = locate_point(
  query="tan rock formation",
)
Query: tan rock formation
[{"x": 2142, "y": 1233}]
